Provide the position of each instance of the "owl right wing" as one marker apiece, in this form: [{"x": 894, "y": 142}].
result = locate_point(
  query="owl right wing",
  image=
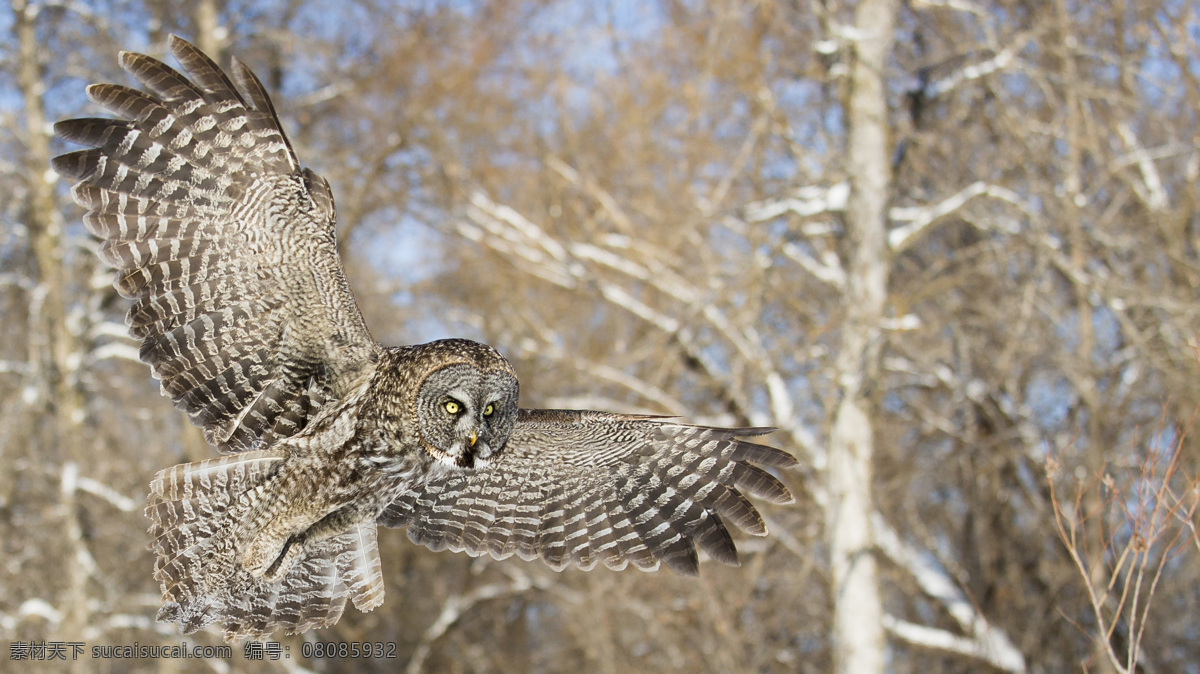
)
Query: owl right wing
[
  {"x": 226, "y": 245},
  {"x": 586, "y": 487}
]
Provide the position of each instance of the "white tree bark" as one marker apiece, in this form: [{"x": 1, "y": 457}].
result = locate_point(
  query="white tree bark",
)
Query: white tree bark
[
  {"x": 53, "y": 349},
  {"x": 857, "y": 629}
]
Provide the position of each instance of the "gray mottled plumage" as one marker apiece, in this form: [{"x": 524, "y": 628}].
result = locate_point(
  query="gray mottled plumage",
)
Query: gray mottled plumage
[{"x": 226, "y": 245}]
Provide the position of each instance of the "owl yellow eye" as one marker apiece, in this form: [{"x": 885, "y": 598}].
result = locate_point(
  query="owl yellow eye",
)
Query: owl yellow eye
[
  {"x": 452, "y": 407},
  {"x": 487, "y": 411}
]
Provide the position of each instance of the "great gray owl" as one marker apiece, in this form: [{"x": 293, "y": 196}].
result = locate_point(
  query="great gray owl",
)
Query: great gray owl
[{"x": 226, "y": 245}]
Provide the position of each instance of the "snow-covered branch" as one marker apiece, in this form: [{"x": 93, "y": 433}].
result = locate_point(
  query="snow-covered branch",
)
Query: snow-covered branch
[
  {"x": 114, "y": 350},
  {"x": 989, "y": 643},
  {"x": 637, "y": 385},
  {"x": 959, "y": 5},
  {"x": 937, "y": 639},
  {"x": 601, "y": 195},
  {"x": 521, "y": 224},
  {"x": 109, "y": 329},
  {"x": 39, "y": 608},
  {"x": 563, "y": 265},
  {"x": 18, "y": 280},
  {"x": 453, "y": 609},
  {"x": 114, "y": 498},
  {"x": 809, "y": 201},
  {"x": 68, "y": 487},
  {"x": 14, "y": 366},
  {"x": 663, "y": 279},
  {"x": 816, "y": 200},
  {"x": 515, "y": 236},
  {"x": 974, "y": 71},
  {"x": 1150, "y": 190},
  {"x": 326, "y": 93},
  {"x": 827, "y": 269},
  {"x": 919, "y": 218}
]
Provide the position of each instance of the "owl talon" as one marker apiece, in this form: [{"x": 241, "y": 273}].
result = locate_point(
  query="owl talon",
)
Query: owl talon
[
  {"x": 270, "y": 559},
  {"x": 283, "y": 564}
]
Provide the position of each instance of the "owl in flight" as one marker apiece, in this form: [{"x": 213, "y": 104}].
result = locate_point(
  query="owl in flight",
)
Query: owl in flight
[{"x": 227, "y": 248}]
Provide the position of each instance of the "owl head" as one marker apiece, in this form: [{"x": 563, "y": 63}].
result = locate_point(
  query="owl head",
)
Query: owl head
[{"x": 466, "y": 405}]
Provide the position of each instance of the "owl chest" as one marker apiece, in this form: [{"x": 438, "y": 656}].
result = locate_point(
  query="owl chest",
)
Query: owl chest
[{"x": 370, "y": 479}]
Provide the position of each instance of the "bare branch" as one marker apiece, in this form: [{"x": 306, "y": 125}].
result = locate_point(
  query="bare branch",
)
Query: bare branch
[
  {"x": 1150, "y": 190},
  {"x": 602, "y": 196},
  {"x": 958, "y": 5},
  {"x": 18, "y": 280},
  {"x": 827, "y": 269},
  {"x": 562, "y": 265},
  {"x": 989, "y": 643},
  {"x": 115, "y": 351},
  {"x": 39, "y": 608},
  {"x": 14, "y": 366},
  {"x": 809, "y": 201},
  {"x": 920, "y": 218},
  {"x": 1141, "y": 531},
  {"x": 941, "y": 640},
  {"x": 110, "y": 495},
  {"x": 453, "y": 609},
  {"x": 976, "y": 70}
]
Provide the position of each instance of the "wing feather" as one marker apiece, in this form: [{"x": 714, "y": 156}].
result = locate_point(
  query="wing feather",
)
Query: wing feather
[
  {"x": 583, "y": 488},
  {"x": 360, "y": 569},
  {"x": 224, "y": 242}
]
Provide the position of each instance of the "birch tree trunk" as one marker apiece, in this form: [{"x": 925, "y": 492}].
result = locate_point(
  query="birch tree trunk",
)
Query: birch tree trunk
[
  {"x": 857, "y": 629},
  {"x": 207, "y": 38},
  {"x": 53, "y": 350}
]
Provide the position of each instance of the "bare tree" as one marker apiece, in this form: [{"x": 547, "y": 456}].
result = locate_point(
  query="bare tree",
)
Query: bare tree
[
  {"x": 934, "y": 243},
  {"x": 54, "y": 352},
  {"x": 1128, "y": 532},
  {"x": 857, "y": 631}
]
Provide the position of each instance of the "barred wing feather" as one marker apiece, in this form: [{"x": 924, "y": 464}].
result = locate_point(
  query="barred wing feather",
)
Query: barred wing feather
[
  {"x": 192, "y": 505},
  {"x": 225, "y": 243},
  {"x": 578, "y": 487}
]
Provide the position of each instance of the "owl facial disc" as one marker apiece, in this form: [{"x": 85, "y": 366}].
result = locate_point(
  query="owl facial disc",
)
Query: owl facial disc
[{"x": 466, "y": 414}]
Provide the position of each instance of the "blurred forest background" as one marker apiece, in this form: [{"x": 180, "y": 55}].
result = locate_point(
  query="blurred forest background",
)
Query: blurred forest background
[{"x": 950, "y": 248}]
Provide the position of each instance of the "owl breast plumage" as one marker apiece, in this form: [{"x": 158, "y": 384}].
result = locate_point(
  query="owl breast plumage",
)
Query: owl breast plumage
[{"x": 226, "y": 246}]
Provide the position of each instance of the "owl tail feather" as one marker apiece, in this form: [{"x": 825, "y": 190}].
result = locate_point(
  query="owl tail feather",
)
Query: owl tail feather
[{"x": 195, "y": 510}]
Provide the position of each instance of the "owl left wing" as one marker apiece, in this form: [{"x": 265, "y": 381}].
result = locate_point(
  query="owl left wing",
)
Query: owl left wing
[
  {"x": 226, "y": 244},
  {"x": 580, "y": 487}
]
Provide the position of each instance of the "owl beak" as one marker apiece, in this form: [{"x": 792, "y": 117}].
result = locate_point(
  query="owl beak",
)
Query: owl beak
[{"x": 473, "y": 437}]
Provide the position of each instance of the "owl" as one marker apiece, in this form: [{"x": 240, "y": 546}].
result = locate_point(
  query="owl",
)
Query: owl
[{"x": 226, "y": 247}]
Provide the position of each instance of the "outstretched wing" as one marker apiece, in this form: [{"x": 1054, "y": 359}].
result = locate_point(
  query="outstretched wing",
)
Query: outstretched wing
[
  {"x": 225, "y": 243},
  {"x": 587, "y": 487},
  {"x": 192, "y": 505}
]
